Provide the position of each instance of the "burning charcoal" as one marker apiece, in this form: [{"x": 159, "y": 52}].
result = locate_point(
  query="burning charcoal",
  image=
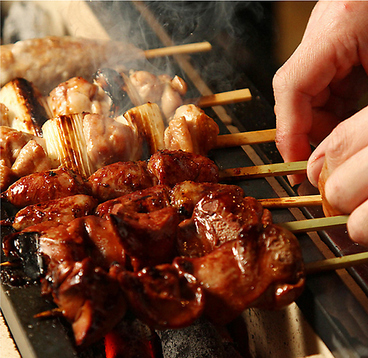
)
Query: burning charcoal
[
  {"x": 130, "y": 339},
  {"x": 200, "y": 340}
]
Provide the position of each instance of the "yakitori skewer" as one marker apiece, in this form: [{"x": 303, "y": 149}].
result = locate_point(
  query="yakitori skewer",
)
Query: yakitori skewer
[
  {"x": 178, "y": 49},
  {"x": 292, "y": 201},
  {"x": 245, "y": 138},
  {"x": 316, "y": 224},
  {"x": 337, "y": 263},
  {"x": 261, "y": 171},
  {"x": 222, "y": 98}
]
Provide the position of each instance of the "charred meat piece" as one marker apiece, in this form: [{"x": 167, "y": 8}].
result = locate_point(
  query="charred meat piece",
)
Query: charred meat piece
[
  {"x": 263, "y": 271},
  {"x": 163, "y": 297},
  {"x": 148, "y": 238},
  {"x": 120, "y": 178},
  {"x": 61, "y": 210},
  {"x": 90, "y": 298},
  {"x": 101, "y": 239},
  {"x": 44, "y": 186},
  {"x": 191, "y": 130},
  {"x": 219, "y": 216},
  {"x": 141, "y": 201},
  {"x": 78, "y": 257},
  {"x": 185, "y": 195},
  {"x": 172, "y": 167},
  {"x": 87, "y": 236},
  {"x": 36, "y": 246}
]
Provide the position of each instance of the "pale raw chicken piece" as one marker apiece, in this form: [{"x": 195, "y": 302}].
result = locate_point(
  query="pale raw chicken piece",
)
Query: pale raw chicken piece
[
  {"x": 109, "y": 141},
  {"x": 148, "y": 86},
  {"x": 172, "y": 95},
  {"x": 4, "y": 119},
  {"x": 31, "y": 159},
  {"x": 167, "y": 92},
  {"x": 11, "y": 142},
  {"x": 7, "y": 177},
  {"x": 77, "y": 96},
  {"x": 191, "y": 130},
  {"x": 21, "y": 154}
]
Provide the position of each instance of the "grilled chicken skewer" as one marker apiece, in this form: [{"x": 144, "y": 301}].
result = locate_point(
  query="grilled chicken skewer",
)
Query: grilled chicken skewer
[
  {"x": 200, "y": 205},
  {"x": 78, "y": 56},
  {"x": 145, "y": 220}
]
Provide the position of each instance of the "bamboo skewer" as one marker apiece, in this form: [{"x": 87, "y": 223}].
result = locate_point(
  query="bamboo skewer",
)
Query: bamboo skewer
[
  {"x": 178, "y": 50},
  {"x": 315, "y": 224},
  {"x": 261, "y": 171},
  {"x": 336, "y": 263},
  {"x": 245, "y": 138},
  {"x": 218, "y": 99},
  {"x": 292, "y": 201}
]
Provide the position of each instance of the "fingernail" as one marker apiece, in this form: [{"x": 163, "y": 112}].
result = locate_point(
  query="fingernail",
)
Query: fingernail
[{"x": 314, "y": 168}]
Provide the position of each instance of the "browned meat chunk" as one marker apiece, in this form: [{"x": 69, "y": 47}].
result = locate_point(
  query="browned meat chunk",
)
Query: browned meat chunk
[
  {"x": 120, "y": 178},
  {"x": 219, "y": 213},
  {"x": 172, "y": 167},
  {"x": 44, "y": 186},
  {"x": 91, "y": 299},
  {"x": 149, "y": 238},
  {"x": 141, "y": 201},
  {"x": 263, "y": 271},
  {"x": 185, "y": 195},
  {"x": 61, "y": 210},
  {"x": 163, "y": 297}
]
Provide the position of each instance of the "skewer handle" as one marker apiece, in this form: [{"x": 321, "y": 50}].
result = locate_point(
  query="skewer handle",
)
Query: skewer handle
[
  {"x": 178, "y": 50},
  {"x": 315, "y": 224},
  {"x": 292, "y": 202},
  {"x": 337, "y": 263},
  {"x": 261, "y": 171},
  {"x": 219, "y": 99},
  {"x": 245, "y": 138}
]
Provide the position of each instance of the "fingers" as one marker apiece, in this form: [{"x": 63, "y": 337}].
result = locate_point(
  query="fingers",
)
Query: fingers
[
  {"x": 348, "y": 138},
  {"x": 309, "y": 89},
  {"x": 347, "y": 186},
  {"x": 358, "y": 224}
]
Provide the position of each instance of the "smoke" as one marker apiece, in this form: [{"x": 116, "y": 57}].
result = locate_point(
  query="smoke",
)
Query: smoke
[{"x": 235, "y": 23}]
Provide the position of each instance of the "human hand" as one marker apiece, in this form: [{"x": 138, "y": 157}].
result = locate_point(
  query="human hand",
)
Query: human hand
[
  {"x": 320, "y": 85},
  {"x": 339, "y": 165}
]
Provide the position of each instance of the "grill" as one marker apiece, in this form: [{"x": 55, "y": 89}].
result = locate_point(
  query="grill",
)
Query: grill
[{"x": 330, "y": 315}]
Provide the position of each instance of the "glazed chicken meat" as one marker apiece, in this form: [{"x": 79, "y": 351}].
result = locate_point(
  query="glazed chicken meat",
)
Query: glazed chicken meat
[{"x": 168, "y": 249}]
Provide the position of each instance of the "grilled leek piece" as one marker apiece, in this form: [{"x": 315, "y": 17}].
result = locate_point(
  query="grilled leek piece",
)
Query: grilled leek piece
[
  {"x": 148, "y": 119},
  {"x": 85, "y": 142},
  {"x": 27, "y": 110},
  {"x": 66, "y": 144}
]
